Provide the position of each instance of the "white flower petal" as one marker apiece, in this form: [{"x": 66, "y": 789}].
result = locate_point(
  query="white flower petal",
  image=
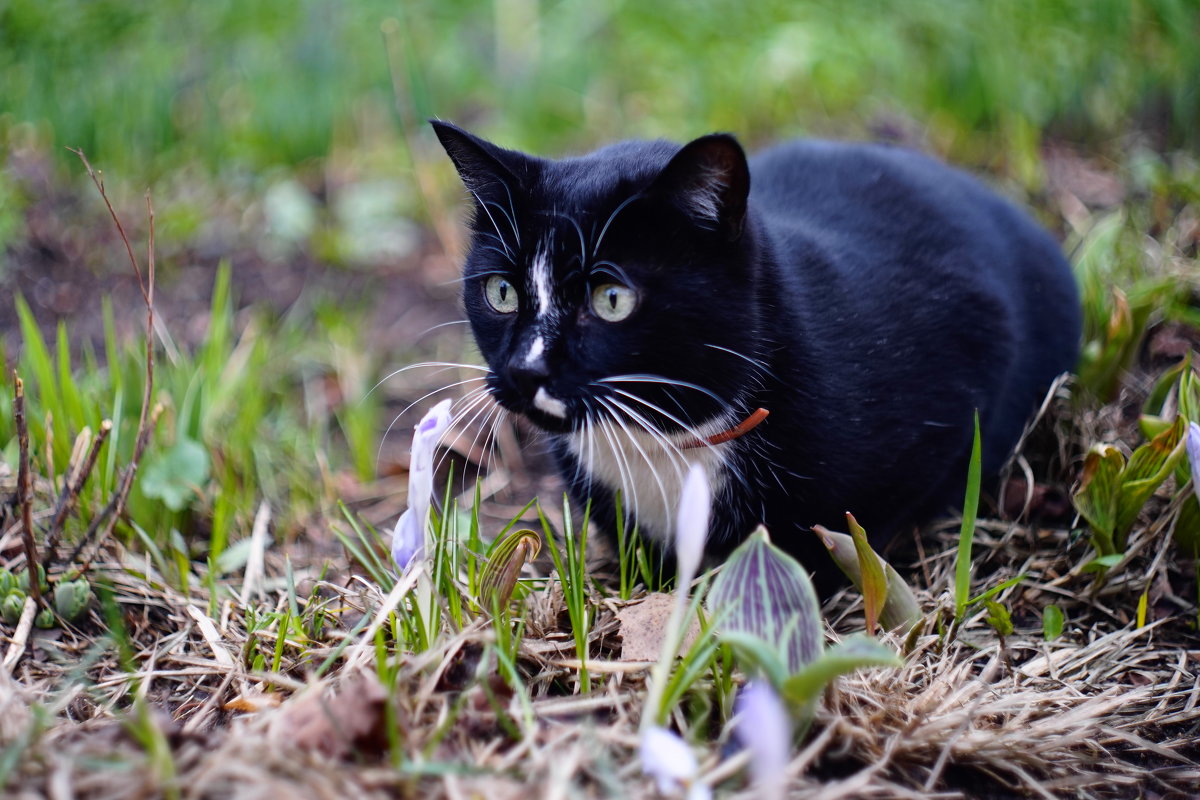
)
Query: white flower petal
[
  {"x": 691, "y": 523},
  {"x": 764, "y": 728},
  {"x": 1193, "y": 452},
  {"x": 408, "y": 540},
  {"x": 668, "y": 759}
]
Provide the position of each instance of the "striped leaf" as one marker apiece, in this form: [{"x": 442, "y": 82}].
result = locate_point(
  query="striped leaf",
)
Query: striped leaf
[
  {"x": 1148, "y": 468},
  {"x": 764, "y": 593},
  {"x": 1097, "y": 496}
]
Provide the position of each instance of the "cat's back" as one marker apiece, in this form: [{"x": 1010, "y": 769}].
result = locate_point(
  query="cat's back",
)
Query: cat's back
[{"x": 911, "y": 274}]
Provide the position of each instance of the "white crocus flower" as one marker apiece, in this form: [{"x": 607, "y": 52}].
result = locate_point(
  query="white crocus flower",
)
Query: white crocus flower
[
  {"x": 409, "y": 537},
  {"x": 691, "y": 523},
  {"x": 691, "y": 529},
  {"x": 765, "y": 730},
  {"x": 1193, "y": 452},
  {"x": 669, "y": 760}
]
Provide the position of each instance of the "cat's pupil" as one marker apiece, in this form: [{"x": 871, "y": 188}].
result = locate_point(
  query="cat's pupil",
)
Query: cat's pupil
[
  {"x": 612, "y": 299},
  {"x": 503, "y": 291}
]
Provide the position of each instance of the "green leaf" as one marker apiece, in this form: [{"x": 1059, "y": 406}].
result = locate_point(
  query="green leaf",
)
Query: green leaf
[
  {"x": 1053, "y": 621},
  {"x": 874, "y": 582},
  {"x": 752, "y": 650},
  {"x": 764, "y": 592},
  {"x": 1156, "y": 400},
  {"x": 855, "y": 653},
  {"x": 1187, "y": 526},
  {"x": 1099, "y": 489},
  {"x": 177, "y": 475},
  {"x": 999, "y": 618},
  {"x": 508, "y": 556},
  {"x": 984, "y": 596},
  {"x": 1147, "y": 469},
  {"x": 1103, "y": 563},
  {"x": 966, "y": 534},
  {"x": 900, "y": 607}
]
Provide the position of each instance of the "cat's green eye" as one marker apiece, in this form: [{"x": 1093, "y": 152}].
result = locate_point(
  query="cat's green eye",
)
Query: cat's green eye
[
  {"x": 613, "y": 302},
  {"x": 501, "y": 295}
]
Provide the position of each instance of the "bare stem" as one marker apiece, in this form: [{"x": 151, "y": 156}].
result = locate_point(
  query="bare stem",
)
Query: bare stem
[
  {"x": 71, "y": 489},
  {"x": 25, "y": 492}
]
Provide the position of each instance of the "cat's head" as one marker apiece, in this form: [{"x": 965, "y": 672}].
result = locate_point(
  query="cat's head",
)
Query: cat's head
[{"x": 615, "y": 285}]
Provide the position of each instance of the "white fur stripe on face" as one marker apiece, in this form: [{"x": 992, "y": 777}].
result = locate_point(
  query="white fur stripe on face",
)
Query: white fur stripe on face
[
  {"x": 540, "y": 274},
  {"x": 535, "y": 350},
  {"x": 551, "y": 405}
]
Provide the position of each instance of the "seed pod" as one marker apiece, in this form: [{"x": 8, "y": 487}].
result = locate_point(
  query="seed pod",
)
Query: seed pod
[
  {"x": 71, "y": 598},
  {"x": 13, "y": 605}
]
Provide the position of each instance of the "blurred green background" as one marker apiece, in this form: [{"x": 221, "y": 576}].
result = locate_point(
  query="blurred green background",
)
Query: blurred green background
[{"x": 150, "y": 87}]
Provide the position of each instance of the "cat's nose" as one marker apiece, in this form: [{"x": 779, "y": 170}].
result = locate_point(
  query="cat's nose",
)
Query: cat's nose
[{"x": 528, "y": 374}]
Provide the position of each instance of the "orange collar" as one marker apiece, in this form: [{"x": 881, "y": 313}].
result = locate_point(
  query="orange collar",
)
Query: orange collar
[{"x": 741, "y": 429}]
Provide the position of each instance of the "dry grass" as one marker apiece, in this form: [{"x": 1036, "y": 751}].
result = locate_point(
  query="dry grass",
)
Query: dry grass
[{"x": 1110, "y": 710}]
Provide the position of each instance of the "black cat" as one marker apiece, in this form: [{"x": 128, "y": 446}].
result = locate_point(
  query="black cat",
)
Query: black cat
[{"x": 642, "y": 301}]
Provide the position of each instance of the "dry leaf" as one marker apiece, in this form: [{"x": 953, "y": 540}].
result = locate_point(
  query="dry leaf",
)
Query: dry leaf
[
  {"x": 337, "y": 725},
  {"x": 254, "y": 700},
  {"x": 644, "y": 624}
]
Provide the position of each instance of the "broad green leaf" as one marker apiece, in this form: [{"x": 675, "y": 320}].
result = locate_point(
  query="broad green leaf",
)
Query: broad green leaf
[
  {"x": 765, "y": 592},
  {"x": 966, "y": 534},
  {"x": 855, "y": 653},
  {"x": 1147, "y": 469},
  {"x": 1052, "y": 622},
  {"x": 176, "y": 475},
  {"x": 1096, "y": 498},
  {"x": 758, "y": 653},
  {"x": 900, "y": 607},
  {"x": 874, "y": 582}
]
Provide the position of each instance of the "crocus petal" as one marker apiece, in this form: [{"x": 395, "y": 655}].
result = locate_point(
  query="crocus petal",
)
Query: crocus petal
[
  {"x": 668, "y": 759},
  {"x": 691, "y": 522},
  {"x": 765, "y": 730},
  {"x": 408, "y": 540},
  {"x": 1193, "y": 452}
]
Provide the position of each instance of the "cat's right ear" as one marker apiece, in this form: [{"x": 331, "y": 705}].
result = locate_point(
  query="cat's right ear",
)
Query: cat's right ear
[{"x": 484, "y": 168}]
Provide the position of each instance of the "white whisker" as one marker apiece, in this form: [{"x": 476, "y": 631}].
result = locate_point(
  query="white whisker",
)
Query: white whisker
[{"x": 611, "y": 217}]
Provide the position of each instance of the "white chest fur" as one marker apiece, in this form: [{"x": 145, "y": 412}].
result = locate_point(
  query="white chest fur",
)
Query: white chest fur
[{"x": 647, "y": 470}]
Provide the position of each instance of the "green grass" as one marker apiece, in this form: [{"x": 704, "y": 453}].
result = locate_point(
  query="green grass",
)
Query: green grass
[{"x": 146, "y": 89}]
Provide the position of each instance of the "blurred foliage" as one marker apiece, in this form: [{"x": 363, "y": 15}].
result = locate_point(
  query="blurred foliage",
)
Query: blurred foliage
[{"x": 146, "y": 87}]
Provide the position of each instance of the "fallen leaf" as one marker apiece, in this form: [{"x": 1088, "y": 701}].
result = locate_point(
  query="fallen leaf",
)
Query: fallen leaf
[
  {"x": 337, "y": 725},
  {"x": 254, "y": 700},
  {"x": 644, "y": 624}
]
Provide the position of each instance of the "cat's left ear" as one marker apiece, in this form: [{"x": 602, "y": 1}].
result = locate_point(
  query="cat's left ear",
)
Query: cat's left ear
[{"x": 709, "y": 180}]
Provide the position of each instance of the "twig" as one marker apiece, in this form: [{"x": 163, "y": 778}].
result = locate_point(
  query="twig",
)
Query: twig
[
  {"x": 70, "y": 491},
  {"x": 21, "y": 634},
  {"x": 109, "y": 515},
  {"x": 25, "y": 492},
  {"x": 120, "y": 228},
  {"x": 146, "y": 420}
]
